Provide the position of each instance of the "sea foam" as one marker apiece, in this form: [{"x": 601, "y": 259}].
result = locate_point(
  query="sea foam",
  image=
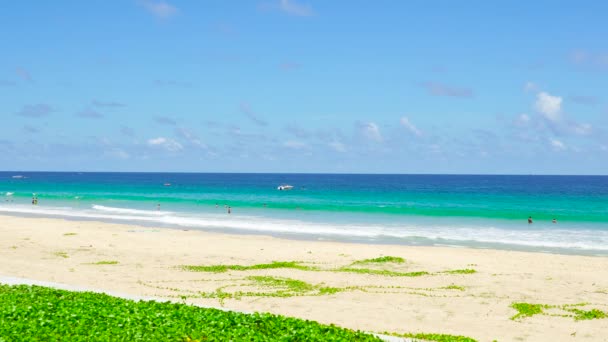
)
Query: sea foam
[{"x": 405, "y": 233}]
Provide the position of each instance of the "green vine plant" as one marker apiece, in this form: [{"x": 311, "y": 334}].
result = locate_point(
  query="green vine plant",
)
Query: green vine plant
[
  {"x": 354, "y": 267},
  {"x": 575, "y": 311}
]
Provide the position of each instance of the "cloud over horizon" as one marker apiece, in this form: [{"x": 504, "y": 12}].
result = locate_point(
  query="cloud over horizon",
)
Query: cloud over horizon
[
  {"x": 440, "y": 89},
  {"x": 35, "y": 111},
  {"x": 89, "y": 113},
  {"x": 370, "y": 131},
  {"x": 292, "y": 7},
  {"x": 160, "y": 9},
  {"x": 405, "y": 122},
  {"x": 165, "y": 120},
  {"x": 245, "y": 108},
  {"x": 110, "y": 104},
  {"x": 167, "y": 144},
  {"x": 549, "y": 106}
]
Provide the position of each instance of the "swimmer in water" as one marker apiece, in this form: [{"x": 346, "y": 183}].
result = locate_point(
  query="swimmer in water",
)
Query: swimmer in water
[{"x": 529, "y": 219}]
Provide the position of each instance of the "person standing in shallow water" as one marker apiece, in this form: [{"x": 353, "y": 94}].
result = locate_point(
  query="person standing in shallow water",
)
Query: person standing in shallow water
[
  {"x": 229, "y": 210},
  {"x": 529, "y": 219}
]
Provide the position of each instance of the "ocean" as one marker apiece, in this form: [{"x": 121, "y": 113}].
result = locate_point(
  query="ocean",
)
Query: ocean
[{"x": 480, "y": 211}]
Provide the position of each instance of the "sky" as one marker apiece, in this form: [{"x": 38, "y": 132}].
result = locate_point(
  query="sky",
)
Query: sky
[{"x": 476, "y": 87}]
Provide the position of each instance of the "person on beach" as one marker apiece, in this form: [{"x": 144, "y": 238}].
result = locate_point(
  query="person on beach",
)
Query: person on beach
[
  {"x": 158, "y": 206},
  {"x": 529, "y": 219},
  {"x": 229, "y": 210},
  {"x": 554, "y": 220}
]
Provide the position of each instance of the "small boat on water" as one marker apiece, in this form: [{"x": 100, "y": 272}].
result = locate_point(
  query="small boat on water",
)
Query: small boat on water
[
  {"x": 284, "y": 187},
  {"x": 167, "y": 184},
  {"x": 18, "y": 177}
]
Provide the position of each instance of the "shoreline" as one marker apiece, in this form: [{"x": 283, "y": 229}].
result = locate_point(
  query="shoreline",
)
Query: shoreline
[
  {"x": 304, "y": 236},
  {"x": 428, "y": 292}
]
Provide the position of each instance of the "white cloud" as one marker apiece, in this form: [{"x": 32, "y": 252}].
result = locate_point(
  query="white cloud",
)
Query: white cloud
[
  {"x": 593, "y": 59},
  {"x": 246, "y": 109},
  {"x": 337, "y": 146},
  {"x": 159, "y": 9},
  {"x": 117, "y": 153},
  {"x": 295, "y": 145},
  {"x": 190, "y": 137},
  {"x": 168, "y": 144},
  {"x": 405, "y": 122},
  {"x": 89, "y": 113},
  {"x": 293, "y": 8},
  {"x": 530, "y": 87},
  {"x": 440, "y": 89},
  {"x": 371, "y": 131},
  {"x": 35, "y": 111},
  {"x": 549, "y": 106},
  {"x": 24, "y": 74},
  {"x": 523, "y": 119},
  {"x": 557, "y": 145},
  {"x": 582, "y": 129}
]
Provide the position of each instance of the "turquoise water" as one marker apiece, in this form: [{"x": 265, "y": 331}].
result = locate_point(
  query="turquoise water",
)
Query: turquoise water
[{"x": 462, "y": 210}]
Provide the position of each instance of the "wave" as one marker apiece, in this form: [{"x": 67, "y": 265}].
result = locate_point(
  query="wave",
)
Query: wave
[
  {"x": 130, "y": 211},
  {"x": 482, "y": 236}
]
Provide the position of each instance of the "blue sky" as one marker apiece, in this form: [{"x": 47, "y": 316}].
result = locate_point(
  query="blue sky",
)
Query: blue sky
[{"x": 305, "y": 86}]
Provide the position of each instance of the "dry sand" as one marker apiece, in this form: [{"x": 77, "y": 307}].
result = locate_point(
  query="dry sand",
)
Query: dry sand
[{"x": 149, "y": 262}]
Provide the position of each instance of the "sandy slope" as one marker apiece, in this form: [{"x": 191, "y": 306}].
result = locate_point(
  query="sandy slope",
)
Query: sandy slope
[{"x": 149, "y": 261}]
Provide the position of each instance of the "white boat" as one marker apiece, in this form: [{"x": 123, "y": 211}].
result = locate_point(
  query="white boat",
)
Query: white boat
[
  {"x": 285, "y": 187},
  {"x": 18, "y": 176}
]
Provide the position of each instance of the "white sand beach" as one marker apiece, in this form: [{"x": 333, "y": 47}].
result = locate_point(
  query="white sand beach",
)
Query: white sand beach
[{"x": 144, "y": 261}]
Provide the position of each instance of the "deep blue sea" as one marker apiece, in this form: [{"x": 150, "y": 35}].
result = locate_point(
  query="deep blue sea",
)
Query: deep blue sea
[{"x": 457, "y": 210}]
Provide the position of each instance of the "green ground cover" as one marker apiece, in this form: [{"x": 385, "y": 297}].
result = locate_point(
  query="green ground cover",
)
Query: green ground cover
[
  {"x": 349, "y": 269},
  {"x": 571, "y": 310},
  {"x": 272, "y": 265},
  {"x": 105, "y": 262},
  {"x": 436, "y": 337},
  {"x": 34, "y": 313}
]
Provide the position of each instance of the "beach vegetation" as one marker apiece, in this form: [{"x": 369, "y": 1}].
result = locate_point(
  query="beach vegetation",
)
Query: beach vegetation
[
  {"x": 44, "y": 314},
  {"x": 384, "y": 259},
  {"x": 573, "y": 310},
  {"x": 381, "y": 272},
  {"x": 434, "y": 337},
  {"x": 299, "y": 266},
  {"x": 292, "y": 285},
  {"x": 272, "y": 265},
  {"x": 69, "y": 234},
  {"x": 105, "y": 262},
  {"x": 326, "y": 290},
  {"x": 463, "y": 271},
  {"x": 61, "y": 254},
  {"x": 527, "y": 309},
  {"x": 452, "y": 287},
  {"x": 590, "y": 314}
]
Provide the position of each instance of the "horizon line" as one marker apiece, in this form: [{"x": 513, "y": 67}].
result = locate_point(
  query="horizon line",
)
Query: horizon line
[{"x": 317, "y": 173}]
